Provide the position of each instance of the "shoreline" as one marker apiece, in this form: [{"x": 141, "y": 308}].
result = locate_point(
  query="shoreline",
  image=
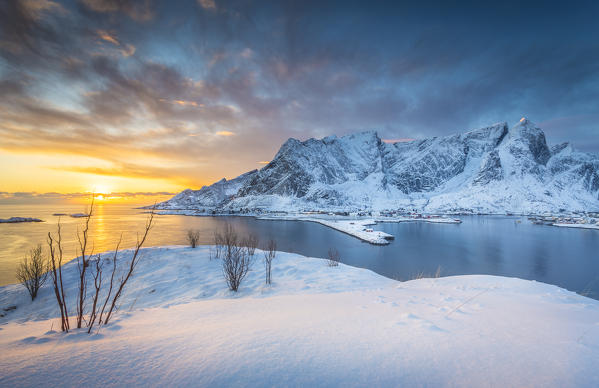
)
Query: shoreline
[
  {"x": 576, "y": 226},
  {"x": 355, "y": 228}
]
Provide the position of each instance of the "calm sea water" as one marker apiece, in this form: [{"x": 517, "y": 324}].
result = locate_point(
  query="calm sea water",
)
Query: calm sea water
[{"x": 505, "y": 246}]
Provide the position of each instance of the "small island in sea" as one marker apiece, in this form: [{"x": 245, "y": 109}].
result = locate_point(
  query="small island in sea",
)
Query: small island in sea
[{"x": 14, "y": 220}]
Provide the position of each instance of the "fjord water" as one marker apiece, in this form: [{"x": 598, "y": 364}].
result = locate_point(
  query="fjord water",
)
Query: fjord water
[{"x": 495, "y": 245}]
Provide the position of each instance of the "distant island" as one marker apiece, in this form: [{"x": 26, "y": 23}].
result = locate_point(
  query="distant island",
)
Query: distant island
[
  {"x": 14, "y": 220},
  {"x": 78, "y": 215}
]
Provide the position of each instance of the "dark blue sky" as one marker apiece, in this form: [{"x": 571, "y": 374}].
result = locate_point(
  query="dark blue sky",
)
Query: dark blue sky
[{"x": 209, "y": 88}]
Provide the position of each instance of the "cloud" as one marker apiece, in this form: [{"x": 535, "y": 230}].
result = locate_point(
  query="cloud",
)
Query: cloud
[
  {"x": 138, "y": 10},
  {"x": 36, "y": 8},
  {"x": 109, "y": 37},
  {"x": 90, "y": 81},
  {"x": 126, "y": 50},
  {"x": 131, "y": 170},
  {"x": 207, "y": 4},
  {"x": 12, "y": 197},
  {"x": 187, "y": 103},
  {"x": 247, "y": 53}
]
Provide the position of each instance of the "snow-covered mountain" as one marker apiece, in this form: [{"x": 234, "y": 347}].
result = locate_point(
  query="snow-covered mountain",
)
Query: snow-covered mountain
[
  {"x": 208, "y": 196},
  {"x": 491, "y": 170}
]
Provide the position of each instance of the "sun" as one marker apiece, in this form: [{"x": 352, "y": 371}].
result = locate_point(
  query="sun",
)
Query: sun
[
  {"x": 101, "y": 189},
  {"x": 101, "y": 192}
]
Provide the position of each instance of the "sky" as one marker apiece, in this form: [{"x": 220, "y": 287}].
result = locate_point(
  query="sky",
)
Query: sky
[{"x": 157, "y": 96}]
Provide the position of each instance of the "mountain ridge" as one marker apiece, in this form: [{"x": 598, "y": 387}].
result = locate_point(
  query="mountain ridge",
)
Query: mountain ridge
[{"x": 494, "y": 169}]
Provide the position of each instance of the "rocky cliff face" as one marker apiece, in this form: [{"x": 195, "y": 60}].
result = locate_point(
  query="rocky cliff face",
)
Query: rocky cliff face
[{"x": 492, "y": 169}]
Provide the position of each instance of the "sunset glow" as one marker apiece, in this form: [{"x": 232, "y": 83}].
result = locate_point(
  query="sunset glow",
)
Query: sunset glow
[
  {"x": 146, "y": 97},
  {"x": 307, "y": 193}
]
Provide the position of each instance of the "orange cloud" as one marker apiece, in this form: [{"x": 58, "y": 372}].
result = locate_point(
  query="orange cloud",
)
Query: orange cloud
[
  {"x": 126, "y": 50},
  {"x": 109, "y": 37},
  {"x": 207, "y": 4},
  {"x": 225, "y": 133},
  {"x": 263, "y": 162},
  {"x": 185, "y": 103}
]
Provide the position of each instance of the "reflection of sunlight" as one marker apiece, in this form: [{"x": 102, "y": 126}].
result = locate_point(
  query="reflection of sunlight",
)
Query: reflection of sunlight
[{"x": 100, "y": 226}]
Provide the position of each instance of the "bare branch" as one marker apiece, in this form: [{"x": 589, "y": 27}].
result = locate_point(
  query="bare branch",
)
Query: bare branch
[
  {"x": 250, "y": 243},
  {"x": 270, "y": 251},
  {"x": 97, "y": 286},
  {"x": 132, "y": 264},
  {"x": 55, "y": 280},
  {"x": 114, "y": 258},
  {"x": 83, "y": 263}
]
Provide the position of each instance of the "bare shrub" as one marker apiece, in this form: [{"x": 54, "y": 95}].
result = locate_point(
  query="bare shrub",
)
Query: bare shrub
[
  {"x": 270, "y": 251},
  {"x": 423, "y": 275},
  {"x": 235, "y": 259},
  {"x": 96, "y": 315},
  {"x": 251, "y": 243},
  {"x": 193, "y": 237},
  {"x": 32, "y": 271},
  {"x": 333, "y": 257},
  {"x": 236, "y": 265}
]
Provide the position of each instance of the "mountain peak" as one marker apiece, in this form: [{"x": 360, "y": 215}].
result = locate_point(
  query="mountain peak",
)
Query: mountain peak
[
  {"x": 524, "y": 122},
  {"x": 364, "y": 137},
  {"x": 525, "y": 136},
  {"x": 490, "y": 169}
]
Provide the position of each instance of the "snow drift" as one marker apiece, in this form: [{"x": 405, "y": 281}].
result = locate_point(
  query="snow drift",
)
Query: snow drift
[{"x": 315, "y": 326}]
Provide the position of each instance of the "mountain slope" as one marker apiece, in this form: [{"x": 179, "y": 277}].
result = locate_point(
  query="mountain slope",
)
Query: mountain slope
[
  {"x": 208, "y": 196},
  {"x": 493, "y": 170}
]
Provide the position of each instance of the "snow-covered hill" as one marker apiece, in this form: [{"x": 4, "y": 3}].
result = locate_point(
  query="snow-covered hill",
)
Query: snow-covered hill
[
  {"x": 490, "y": 170},
  {"x": 315, "y": 326}
]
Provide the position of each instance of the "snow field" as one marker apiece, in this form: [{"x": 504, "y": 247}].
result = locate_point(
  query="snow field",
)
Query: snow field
[{"x": 315, "y": 326}]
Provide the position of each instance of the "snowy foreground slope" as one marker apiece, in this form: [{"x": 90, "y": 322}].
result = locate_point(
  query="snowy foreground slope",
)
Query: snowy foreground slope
[
  {"x": 489, "y": 170},
  {"x": 315, "y": 326}
]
